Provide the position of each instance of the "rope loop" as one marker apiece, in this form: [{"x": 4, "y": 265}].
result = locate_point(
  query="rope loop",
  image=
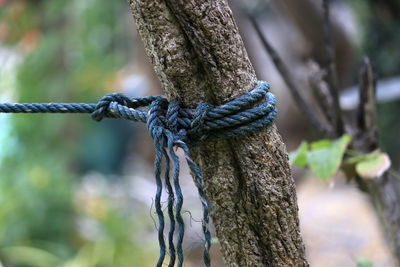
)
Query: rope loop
[
  {"x": 199, "y": 118},
  {"x": 102, "y": 107},
  {"x": 244, "y": 115}
]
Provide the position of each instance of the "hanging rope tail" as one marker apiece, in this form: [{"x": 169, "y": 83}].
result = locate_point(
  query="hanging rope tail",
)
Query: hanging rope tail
[{"x": 171, "y": 126}]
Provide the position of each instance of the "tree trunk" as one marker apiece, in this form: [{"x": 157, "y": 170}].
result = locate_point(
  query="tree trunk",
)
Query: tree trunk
[{"x": 198, "y": 55}]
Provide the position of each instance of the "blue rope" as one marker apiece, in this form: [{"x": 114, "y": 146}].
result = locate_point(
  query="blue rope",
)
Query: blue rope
[
  {"x": 171, "y": 125},
  {"x": 171, "y": 199}
]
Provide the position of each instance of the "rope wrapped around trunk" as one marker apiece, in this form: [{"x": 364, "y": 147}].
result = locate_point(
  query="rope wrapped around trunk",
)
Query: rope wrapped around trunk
[{"x": 170, "y": 125}]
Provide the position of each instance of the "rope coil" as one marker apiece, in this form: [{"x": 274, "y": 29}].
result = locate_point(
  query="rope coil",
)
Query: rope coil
[{"x": 171, "y": 126}]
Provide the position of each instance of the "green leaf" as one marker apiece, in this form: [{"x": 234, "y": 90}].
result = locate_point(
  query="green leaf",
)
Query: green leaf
[
  {"x": 299, "y": 156},
  {"x": 321, "y": 144},
  {"x": 373, "y": 165},
  {"x": 325, "y": 156},
  {"x": 361, "y": 262}
]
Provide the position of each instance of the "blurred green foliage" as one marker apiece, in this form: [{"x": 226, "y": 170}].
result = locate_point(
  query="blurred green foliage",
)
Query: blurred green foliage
[
  {"x": 364, "y": 263},
  {"x": 324, "y": 157},
  {"x": 380, "y": 23},
  {"x": 70, "y": 51}
]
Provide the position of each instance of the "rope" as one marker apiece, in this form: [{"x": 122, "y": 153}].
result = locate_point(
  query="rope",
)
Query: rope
[{"x": 171, "y": 126}]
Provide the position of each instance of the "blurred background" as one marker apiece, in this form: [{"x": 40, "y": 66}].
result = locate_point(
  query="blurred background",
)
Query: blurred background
[{"x": 78, "y": 193}]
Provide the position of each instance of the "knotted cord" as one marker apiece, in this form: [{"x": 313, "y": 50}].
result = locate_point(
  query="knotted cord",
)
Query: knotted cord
[{"x": 170, "y": 125}]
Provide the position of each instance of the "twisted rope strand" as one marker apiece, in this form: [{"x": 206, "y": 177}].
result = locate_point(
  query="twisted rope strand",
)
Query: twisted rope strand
[
  {"x": 179, "y": 199},
  {"x": 171, "y": 125},
  {"x": 47, "y": 108},
  {"x": 160, "y": 214},
  {"x": 199, "y": 184},
  {"x": 171, "y": 199}
]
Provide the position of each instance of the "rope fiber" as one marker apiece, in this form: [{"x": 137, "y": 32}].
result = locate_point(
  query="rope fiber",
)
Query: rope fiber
[{"x": 170, "y": 125}]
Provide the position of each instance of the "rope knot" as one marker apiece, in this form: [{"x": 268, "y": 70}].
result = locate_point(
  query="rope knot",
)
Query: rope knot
[
  {"x": 155, "y": 117},
  {"x": 172, "y": 115},
  {"x": 171, "y": 126},
  {"x": 243, "y": 115},
  {"x": 164, "y": 120},
  {"x": 102, "y": 108}
]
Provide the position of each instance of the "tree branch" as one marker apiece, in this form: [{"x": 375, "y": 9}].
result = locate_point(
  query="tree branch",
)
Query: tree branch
[
  {"x": 331, "y": 68},
  {"x": 321, "y": 92},
  {"x": 367, "y": 107}
]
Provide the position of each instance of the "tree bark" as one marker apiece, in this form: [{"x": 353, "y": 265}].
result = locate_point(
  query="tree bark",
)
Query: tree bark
[{"x": 198, "y": 55}]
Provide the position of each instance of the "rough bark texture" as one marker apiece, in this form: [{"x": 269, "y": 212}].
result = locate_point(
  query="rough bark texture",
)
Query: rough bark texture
[{"x": 198, "y": 55}]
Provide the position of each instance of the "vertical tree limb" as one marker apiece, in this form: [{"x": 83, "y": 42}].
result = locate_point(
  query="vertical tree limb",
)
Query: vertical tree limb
[
  {"x": 321, "y": 92},
  {"x": 331, "y": 68},
  {"x": 366, "y": 113},
  {"x": 198, "y": 55}
]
